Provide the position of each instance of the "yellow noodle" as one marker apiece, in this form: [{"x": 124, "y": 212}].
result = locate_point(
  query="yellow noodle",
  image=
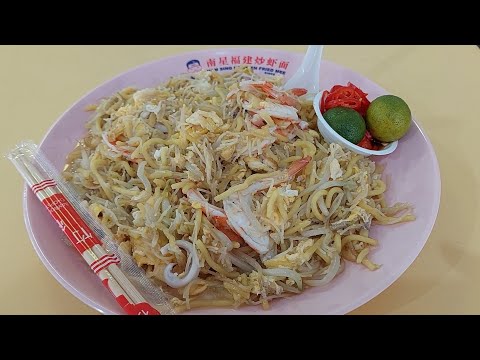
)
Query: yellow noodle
[
  {"x": 314, "y": 134},
  {"x": 233, "y": 289},
  {"x": 94, "y": 163},
  {"x": 196, "y": 287},
  {"x": 383, "y": 203},
  {"x": 313, "y": 204},
  {"x": 181, "y": 143},
  {"x": 288, "y": 160},
  {"x": 280, "y": 137},
  {"x": 383, "y": 219},
  {"x": 271, "y": 203},
  {"x": 307, "y": 147},
  {"x": 349, "y": 170},
  {"x": 181, "y": 184},
  {"x": 128, "y": 169},
  {"x": 213, "y": 264},
  {"x": 251, "y": 179},
  {"x": 378, "y": 190},
  {"x": 364, "y": 232},
  {"x": 272, "y": 155},
  {"x": 201, "y": 303},
  {"x": 311, "y": 250},
  {"x": 159, "y": 182},
  {"x": 145, "y": 150},
  {"x": 392, "y": 210},
  {"x": 197, "y": 224},
  {"x": 370, "y": 265},
  {"x": 364, "y": 239},
  {"x": 331, "y": 192},
  {"x": 294, "y": 209},
  {"x": 267, "y": 118},
  {"x": 324, "y": 256},
  {"x": 166, "y": 174},
  {"x": 313, "y": 173},
  {"x": 167, "y": 124},
  {"x": 164, "y": 155},
  {"x": 239, "y": 125},
  {"x": 168, "y": 234},
  {"x": 362, "y": 254},
  {"x": 281, "y": 209},
  {"x": 321, "y": 206},
  {"x": 98, "y": 123},
  {"x": 338, "y": 242},
  {"x": 124, "y": 191},
  {"x": 298, "y": 227}
]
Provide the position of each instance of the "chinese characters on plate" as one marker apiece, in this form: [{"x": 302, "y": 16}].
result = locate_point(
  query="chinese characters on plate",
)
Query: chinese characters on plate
[{"x": 266, "y": 65}]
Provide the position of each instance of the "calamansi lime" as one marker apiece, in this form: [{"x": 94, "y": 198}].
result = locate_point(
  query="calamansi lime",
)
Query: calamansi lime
[
  {"x": 388, "y": 118},
  {"x": 348, "y": 123}
]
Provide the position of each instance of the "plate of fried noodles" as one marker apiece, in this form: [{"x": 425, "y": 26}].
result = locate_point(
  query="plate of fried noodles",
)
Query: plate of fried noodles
[{"x": 229, "y": 203}]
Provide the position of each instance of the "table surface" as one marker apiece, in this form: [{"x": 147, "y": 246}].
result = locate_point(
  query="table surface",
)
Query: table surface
[{"x": 440, "y": 83}]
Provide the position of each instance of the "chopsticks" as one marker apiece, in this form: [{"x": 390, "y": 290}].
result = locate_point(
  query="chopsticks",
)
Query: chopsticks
[{"x": 103, "y": 264}]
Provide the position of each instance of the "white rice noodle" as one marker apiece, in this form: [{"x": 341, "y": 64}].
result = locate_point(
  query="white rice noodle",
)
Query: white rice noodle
[
  {"x": 146, "y": 183},
  {"x": 248, "y": 259},
  {"x": 241, "y": 264},
  {"x": 288, "y": 287},
  {"x": 332, "y": 271},
  {"x": 315, "y": 232},
  {"x": 285, "y": 273}
]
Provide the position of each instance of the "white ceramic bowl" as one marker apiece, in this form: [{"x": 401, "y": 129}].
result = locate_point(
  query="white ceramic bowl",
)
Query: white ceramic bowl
[{"x": 332, "y": 136}]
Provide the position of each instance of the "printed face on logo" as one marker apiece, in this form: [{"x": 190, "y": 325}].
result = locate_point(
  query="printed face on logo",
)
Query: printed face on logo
[{"x": 194, "y": 66}]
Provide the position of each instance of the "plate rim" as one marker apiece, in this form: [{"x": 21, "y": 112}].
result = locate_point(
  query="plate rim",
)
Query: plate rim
[{"x": 351, "y": 305}]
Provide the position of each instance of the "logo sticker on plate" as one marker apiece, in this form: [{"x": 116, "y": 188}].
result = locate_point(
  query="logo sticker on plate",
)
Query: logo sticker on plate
[{"x": 265, "y": 65}]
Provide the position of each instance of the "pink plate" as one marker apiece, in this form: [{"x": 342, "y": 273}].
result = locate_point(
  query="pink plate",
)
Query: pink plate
[{"x": 413, "y": 170}]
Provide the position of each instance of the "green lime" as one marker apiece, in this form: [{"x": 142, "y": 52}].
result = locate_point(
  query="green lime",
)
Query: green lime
[
  {"x": 348, "y": 123},
  {"x": 388, "y": 118}
]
